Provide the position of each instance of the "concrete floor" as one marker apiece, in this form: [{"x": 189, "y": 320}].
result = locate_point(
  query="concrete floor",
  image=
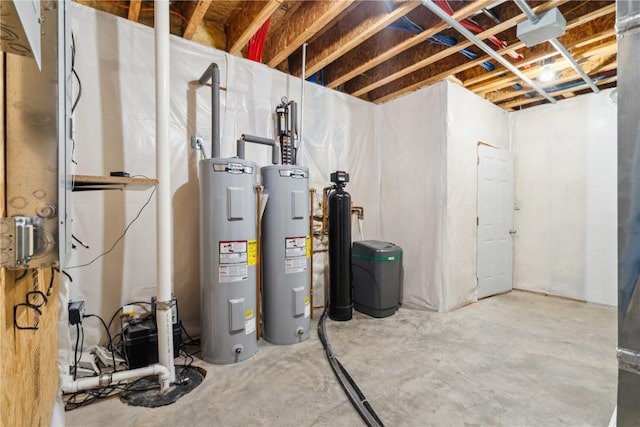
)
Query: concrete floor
[{"x": 514, "y": 359}]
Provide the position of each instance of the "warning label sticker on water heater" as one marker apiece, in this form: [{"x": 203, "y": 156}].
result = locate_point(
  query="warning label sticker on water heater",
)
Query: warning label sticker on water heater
[
  {"x": 295, "y": 258},
  {"x": 233, "y": 262}
]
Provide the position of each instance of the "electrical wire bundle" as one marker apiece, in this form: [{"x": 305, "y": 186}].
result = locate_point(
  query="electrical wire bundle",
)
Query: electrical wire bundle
[
  {"x": 351, "y": 389},
  {"x": 115, "y": 346}
]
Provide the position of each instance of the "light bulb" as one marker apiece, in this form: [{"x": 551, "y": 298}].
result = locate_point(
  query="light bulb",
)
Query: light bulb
[{"x": 547, "y": 74}]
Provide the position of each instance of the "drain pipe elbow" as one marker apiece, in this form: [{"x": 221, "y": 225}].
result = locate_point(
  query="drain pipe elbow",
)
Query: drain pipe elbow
[{"x": 257, "y": 140}]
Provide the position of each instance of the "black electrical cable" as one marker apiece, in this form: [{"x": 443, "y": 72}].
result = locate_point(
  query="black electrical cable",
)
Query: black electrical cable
[
  {"x": 121, "y": 236},
  {"x": 113, "y": 357},
  {"x": 351, "y": 389},
  {"x": 75, "y": 353}
]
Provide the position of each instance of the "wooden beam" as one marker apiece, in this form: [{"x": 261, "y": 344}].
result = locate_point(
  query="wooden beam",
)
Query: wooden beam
[
  {"x": 385, "y": 45},
  {"x": 196, "y": 18},
  {"x": 589, "y": 68},
  {"x": 364, "y": 21},
  {"x": 134, "y": 10},
  {"x": 600, "y": 19},
  {"x": 433, "y": 73},
  {"x": 585, "y": 54},
  {"x": 247, "y": 19},
  {"x": 424, "y": 54},
  {"x": 310, "y": 18},
  {"x": 525, "y": 101}
]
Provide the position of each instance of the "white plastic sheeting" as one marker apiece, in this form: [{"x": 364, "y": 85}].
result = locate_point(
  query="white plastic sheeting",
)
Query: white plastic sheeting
[
  {"x": 114, "y": 131},
  {"x": 429, "y": 188},
  {"x": 566, "y": 169},
  {"x": 470, "y": 119},
  {"x": 413, "y": 190}
]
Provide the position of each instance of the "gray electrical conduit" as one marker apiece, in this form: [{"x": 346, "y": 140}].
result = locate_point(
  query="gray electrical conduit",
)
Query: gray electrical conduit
[
  {"x": 524, "y": 7},
  {"x": 482, "y": 45}
]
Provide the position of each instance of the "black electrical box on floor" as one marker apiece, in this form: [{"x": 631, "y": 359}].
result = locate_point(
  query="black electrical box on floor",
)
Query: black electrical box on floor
[
  {"x": 377, "y": 275},
  {"x": 141, "y": 343}
]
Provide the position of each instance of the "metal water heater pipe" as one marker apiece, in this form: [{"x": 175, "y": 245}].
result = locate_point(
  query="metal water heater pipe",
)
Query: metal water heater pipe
[{"x": 213, "y": 72}]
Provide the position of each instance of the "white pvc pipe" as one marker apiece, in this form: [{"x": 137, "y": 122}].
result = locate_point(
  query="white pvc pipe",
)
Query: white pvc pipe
[
  {"x": 163, "y": 172},
  {"x": 482, "y": 45},
  {"x": 105, "y": 380}
]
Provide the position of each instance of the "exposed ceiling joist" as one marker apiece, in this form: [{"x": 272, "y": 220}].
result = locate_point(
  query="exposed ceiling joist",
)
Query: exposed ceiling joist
[
  {"x": 358, "y": 25},
  {"x": 408, "y": 62},
  {"x": 601, "y": 48},
  {"x": 310, "y": 18},
  {"x": 196, "y": 18},
  {"x": 248, "y": 19},
  {"x": 438, "y": 71},
  {"x": 385, "y": 46},
  {"x": 134, "y": 10},
  {"x": 379, "y": 50},
  {"x": 603, "y": 18}
]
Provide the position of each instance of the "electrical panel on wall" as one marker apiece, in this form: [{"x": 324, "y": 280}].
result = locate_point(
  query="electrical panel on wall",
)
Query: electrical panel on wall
[{"x": 38, "y": 99}]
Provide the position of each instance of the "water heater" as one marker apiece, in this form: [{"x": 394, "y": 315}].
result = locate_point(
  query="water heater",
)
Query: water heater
[
  {"x": 228, "y": 257},
  {"x": 286, "y": 251}
]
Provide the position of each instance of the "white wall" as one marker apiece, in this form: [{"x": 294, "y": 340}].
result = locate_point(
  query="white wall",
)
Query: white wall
[
  {"x": 413, "y": 188},
  {"x": 470, "y": 119},
  {"x": 565, "y": 185},
  {"x": 428, "y": 146},
  {"x": 115, "y": 128}
]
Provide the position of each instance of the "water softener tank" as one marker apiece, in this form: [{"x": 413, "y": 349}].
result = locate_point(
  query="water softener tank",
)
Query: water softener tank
[
  {"x": 228, "y": 256},
  {"x": 285, "y": 254},
  {"x": 340, "y": 249}
]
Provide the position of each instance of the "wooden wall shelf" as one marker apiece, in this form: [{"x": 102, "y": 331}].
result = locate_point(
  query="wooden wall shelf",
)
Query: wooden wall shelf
[{"x": 92, "y": 183}]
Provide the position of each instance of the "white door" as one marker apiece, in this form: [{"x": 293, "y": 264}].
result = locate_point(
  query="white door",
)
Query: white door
[{"x": 494, "y": 254}]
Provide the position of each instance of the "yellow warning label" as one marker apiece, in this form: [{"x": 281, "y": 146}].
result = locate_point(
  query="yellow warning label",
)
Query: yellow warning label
[
  {"x": 248, "y": 314},
  {"x": 308, "y": 246},
  {"x": 306, "y": 299},
  {"x": 252, "y": 252}
]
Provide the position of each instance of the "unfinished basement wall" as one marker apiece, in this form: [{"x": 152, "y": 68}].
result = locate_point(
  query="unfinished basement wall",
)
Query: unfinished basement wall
[
  {"x": 115, "y": 130},
  {"x": 470, "y": 119},
  {"x": 565, "y": 195},
  {"x": 413, "y": 190}
]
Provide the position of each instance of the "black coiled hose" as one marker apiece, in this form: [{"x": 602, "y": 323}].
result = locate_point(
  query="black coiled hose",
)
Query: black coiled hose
[{"x": 355, "y": 395}]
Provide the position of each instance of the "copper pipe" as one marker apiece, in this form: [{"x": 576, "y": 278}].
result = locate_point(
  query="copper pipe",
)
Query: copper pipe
[
  {"x": 258, "y": 189},
  {"x": 312, "y": 193},
  {"x": 358, "y": 210},
  {"x": 325, "y": 209}
]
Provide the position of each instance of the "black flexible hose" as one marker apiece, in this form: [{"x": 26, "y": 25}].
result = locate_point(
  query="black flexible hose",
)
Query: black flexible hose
[{"x": 355, "y": 395}]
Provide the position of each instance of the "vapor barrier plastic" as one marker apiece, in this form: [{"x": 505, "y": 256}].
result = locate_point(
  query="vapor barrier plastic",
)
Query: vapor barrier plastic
[
  {"x": 413, "y": 188},
  {"x": 114, "y": 131},
  {"x": 566, "y": 169},
  {"x": 470, "y": 119}
]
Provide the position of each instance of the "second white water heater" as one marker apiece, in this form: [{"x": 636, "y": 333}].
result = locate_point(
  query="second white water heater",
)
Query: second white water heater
[
  {"x": 286, "y": 252},
  {"x": 228, "y": 258}
]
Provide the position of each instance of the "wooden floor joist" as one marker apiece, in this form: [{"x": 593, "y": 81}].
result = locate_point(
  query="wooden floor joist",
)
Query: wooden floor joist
[
  {"x": 379, "y": 49},
  {"x": 358, "y": 25},
  {"x": 196, "y": 18},
  {"x": 134, "y": 10},
  {"x": 248, "y": 19},
  {"x": 310, "y": 18}
]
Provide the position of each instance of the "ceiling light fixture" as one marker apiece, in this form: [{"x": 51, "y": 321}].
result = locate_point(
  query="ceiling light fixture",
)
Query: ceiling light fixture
[{"x": 547, "y": 74}]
